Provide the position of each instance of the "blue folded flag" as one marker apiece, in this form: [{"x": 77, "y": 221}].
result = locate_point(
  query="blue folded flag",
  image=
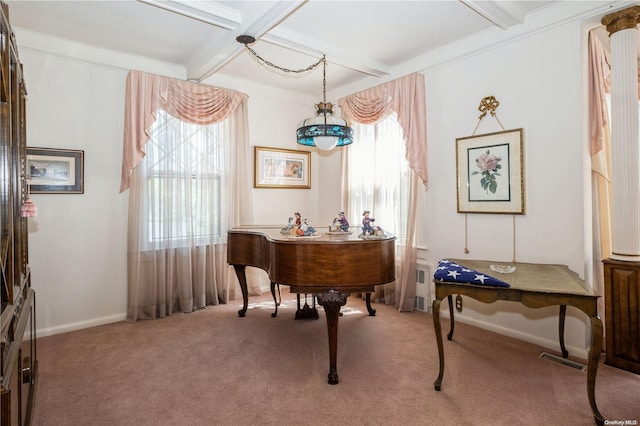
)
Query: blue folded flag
[{"x": 451, "y": 272}]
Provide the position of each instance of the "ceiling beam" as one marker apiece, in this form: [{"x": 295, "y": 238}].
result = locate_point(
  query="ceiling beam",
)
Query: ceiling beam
[
  {"x": 497, "y": 14},
  {"x": 207, "y": 12},
  {"x": 226, "y": 47},
  {"x": 313, "y": 47}
]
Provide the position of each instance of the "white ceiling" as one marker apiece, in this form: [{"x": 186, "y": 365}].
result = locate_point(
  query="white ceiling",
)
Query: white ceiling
[{"x": 361, "y": 38}]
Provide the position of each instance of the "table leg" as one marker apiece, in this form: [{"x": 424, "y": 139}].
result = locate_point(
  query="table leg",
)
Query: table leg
[
  {"x": 436, "y": 324},
  {"x": 450, "y": 300},
  {"x": 332, "y": 300},
  {"x": 592, "y": 367},
  {"x": 242, "y": 278},
  {"x": 563, "y": 313}
]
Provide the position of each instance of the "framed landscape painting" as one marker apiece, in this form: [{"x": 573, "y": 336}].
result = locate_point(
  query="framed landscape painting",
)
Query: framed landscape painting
[
  {"x": 490, "y": 173},
  {"x": 55, "y": 171}
]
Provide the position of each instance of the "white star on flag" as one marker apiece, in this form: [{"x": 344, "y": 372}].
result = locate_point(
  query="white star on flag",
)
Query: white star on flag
[{"x": 480, "y": 278}]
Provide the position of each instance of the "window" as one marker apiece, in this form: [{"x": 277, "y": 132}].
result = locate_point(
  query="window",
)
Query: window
[
  {"x": 184, "y": 173},
  {"x": 378, "y": 176}
]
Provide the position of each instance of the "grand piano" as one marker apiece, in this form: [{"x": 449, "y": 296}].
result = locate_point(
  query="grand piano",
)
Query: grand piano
[{"x": 329, "y": 266}]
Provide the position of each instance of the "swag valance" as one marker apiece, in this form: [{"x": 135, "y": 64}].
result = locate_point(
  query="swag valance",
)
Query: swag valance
[
  {"x": 406, "y": 97},
  {"x": 191, "y": 102}
]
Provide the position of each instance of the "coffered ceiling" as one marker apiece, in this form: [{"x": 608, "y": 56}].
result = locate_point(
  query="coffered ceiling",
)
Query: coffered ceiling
[{"x": 361, "y": 39}]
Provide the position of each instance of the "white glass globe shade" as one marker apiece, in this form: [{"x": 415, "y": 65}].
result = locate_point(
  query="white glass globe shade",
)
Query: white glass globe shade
[{"x": 326, "y": 143}]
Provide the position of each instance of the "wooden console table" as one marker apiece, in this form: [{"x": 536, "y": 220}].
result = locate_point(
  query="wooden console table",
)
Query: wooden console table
[{"x": 535, "y": 286}]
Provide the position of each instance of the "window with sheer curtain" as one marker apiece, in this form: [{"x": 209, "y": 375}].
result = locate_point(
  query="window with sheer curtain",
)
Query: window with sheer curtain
[
  {"x": 378, "y": 176},
  {"x": 379, "y": 179},
  {"x": 390, "y": 134},
  {"x": 184, "y": 155},
  {"x": 179, "y": 217}
]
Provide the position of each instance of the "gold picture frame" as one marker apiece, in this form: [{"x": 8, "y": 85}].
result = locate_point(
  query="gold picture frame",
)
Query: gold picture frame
[
  {"x": 490, "y": 173},
  {"x": 281, "y": 168}
]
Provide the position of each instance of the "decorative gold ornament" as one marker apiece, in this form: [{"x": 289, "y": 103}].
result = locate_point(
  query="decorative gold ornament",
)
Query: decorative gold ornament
[{"x": 488, "y": 104}]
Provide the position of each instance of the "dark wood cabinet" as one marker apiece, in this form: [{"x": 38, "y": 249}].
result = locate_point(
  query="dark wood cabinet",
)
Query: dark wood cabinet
[
  {"x": 18, "y": 360},
  {"x": 622, "y": 314}
]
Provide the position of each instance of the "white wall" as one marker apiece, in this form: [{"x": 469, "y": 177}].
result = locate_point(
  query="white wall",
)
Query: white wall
[
  {"x": 77, "y": 243},
  {"x": 538, "y": 82}
]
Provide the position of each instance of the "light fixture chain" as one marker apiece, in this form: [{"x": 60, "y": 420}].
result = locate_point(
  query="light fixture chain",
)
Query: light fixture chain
[
  {"x": 286, "y": 70},
  {"x": 324, "y": 80}
]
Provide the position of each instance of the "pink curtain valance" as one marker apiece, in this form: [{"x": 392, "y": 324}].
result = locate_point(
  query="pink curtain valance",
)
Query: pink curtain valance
[
  {"x": 404, "y": 96},
  {"x": 191, "y": 102}
]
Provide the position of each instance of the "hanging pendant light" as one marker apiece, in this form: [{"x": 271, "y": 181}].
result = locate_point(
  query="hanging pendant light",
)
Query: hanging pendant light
[{"x": 323, "y": 131}]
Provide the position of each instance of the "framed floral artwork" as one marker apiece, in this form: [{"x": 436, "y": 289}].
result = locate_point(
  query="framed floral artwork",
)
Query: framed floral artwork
[{"x": 490, "y": 173}]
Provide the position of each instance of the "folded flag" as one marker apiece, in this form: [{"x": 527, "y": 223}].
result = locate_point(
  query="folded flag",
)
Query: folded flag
[{"x": 451, "y": 272}]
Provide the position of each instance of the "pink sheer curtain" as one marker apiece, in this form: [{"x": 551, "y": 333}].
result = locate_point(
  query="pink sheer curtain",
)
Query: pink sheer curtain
[
  {"x": 172, "y": 266},
  {"x": 190, "y": 102},
  {"x": 599, "y": 73},
  {"x": 405, "y": 97}
]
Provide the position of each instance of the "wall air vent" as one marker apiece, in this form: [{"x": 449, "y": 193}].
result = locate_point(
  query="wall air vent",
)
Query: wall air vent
[{"x": 423, "y": 287}]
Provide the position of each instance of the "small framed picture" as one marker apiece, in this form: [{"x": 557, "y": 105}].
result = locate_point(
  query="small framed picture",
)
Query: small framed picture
[
  {"x": 55, "y": 171},
  {"x": 490, "y": 173},
  {"x": 281, "y": 168}
]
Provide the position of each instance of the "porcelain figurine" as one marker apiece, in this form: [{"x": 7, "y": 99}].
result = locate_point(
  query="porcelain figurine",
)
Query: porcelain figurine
[
  {"x": 344, "y": 223},
  {"x": 367, "y": 228},
  {"x": 306, "y": 229},
  {"x": 290, "y": 225},
  {"x": 335, "y": 226}
]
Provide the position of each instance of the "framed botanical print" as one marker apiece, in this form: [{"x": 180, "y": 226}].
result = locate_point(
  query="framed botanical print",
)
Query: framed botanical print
[{"x": 490, "y": 173}]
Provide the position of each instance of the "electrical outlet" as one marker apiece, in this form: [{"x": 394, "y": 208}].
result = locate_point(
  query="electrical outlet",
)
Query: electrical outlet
[{"x": 459, "y": 303}]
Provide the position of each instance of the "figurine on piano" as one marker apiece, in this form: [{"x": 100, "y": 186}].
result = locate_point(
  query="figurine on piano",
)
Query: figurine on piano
[
  {"x": 290, "y": 226},
  {"x": 306, "y": 230},
  {"x": 367, "y": 228},
  {"x": 344, "y": 223}
]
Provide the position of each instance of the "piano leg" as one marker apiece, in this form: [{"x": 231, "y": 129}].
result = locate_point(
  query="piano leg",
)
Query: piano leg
[
  {"x": 242, "y": 279},
  {"x": 372, "y": 312},
  {"x": 332, "y": 300},
  {"x": 275, "y": 301}
]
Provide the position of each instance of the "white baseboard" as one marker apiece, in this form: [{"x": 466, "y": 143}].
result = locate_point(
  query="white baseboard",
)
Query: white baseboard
[{"x": 50, "y": 331}]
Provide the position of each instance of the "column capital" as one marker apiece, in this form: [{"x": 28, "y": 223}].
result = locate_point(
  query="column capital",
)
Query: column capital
[{"x": 622, "y": 20}]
